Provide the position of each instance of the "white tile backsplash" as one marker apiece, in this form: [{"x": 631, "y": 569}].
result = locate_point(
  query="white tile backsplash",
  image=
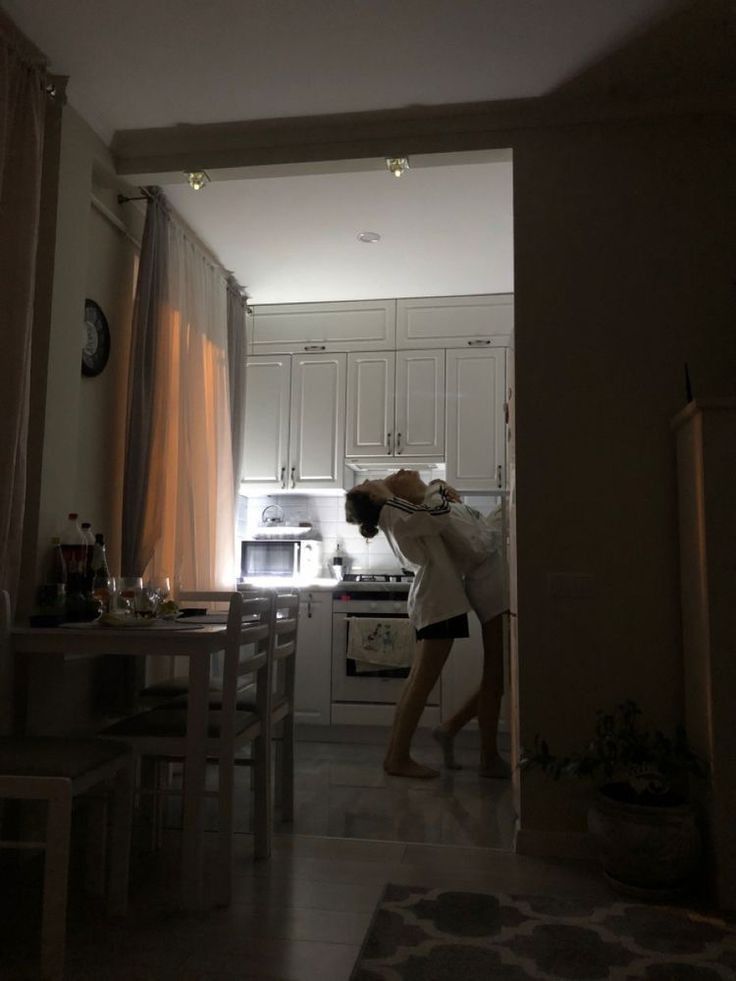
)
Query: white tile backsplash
[{"x": 327, "y": 515}]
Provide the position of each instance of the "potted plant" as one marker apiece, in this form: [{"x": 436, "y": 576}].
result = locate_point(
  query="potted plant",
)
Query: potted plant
[{"x": 642, "y": 820}]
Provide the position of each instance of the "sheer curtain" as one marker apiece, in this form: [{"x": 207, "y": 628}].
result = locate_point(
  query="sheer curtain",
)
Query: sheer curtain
[
  {"x": 22, "y": 114},
  {"x": 180, "y": 400}
]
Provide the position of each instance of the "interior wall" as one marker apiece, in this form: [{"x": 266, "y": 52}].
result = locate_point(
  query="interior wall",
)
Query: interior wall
[
  {"x": 624, "y": 258},
  {"x": 111, "y": 265},
  {"x": 85, "y": 417}
]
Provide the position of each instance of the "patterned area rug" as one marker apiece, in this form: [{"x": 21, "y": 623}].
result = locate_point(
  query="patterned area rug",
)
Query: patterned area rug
[{"x": 433, "y": 935}]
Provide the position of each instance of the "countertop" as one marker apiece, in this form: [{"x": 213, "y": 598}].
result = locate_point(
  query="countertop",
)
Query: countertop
[{"x": 292, "y": 582}]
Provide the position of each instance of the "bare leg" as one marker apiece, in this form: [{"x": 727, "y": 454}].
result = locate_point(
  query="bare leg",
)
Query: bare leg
[
  {"x": 428, "y": 662},
  {"x": 489, "y": 699},
  {"x": 445, "y": 733}
]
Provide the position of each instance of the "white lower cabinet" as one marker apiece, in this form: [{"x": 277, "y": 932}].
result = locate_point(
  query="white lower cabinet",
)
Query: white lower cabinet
[
  {"x": 476, "y": 425},
  {"x": 294, "y": 422},
  {"x": 396, "y": 404},
  {"x": 313, "y": 658}
]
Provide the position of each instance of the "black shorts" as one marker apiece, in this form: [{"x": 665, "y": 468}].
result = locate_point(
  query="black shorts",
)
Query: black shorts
[{"x": 451, "y": 629}]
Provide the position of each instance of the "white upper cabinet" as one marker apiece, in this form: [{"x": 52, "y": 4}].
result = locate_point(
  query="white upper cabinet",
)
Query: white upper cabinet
[
  {"x": 476, "y": 425},
  {"x": 396, "y": 404},
  {"x": 266, "y": 436},
  {"x": 455, "y": 321},
  {"x": 317, "y": 432},
  {"x": 294, "y": 422},
  {"x": 290, "y": 328}
]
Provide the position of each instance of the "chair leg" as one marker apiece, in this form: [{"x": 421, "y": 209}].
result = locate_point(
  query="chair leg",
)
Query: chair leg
[
  {"x": 286, "y": 769},
  {"x": 55, "y": 884},
  {"x": 96, "y": 844},
  {"x": 262, "y": 807},
  {"x": 148, "y": 801},
  {"x": 120, "y": 835},
  {"x": 225, "y": 779}
]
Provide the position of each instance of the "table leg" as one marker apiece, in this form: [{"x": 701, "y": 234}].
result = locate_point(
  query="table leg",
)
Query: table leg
[{"x": 194, "y": 784}]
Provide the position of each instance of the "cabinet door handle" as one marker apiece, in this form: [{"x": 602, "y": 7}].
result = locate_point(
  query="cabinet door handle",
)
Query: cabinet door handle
[
  {"x": 499, "y": 475},
  {"x": 283, "y": 478},
  {"x": 293, "y": 479},
  {"x": 479, "y": 342},
  {"x": 398, "y": 443},
  {"x": 309, "y": 607},
  {"x": 388, "y": 440},
  {"x": 315, "y": 347}
]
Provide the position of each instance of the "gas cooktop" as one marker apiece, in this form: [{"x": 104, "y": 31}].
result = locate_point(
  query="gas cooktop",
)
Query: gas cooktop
[{"x": 374, "y": 577}]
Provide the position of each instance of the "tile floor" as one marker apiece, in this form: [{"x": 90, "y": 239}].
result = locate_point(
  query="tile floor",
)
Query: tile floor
[{"x": 302, "y": 915}]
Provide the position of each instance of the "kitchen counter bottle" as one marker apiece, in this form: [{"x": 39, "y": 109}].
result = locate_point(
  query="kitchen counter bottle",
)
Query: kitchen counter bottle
[{"x": 80, "y": 605}]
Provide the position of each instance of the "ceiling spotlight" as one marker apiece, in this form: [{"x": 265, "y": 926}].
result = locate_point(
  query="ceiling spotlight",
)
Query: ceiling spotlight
[
  {"x": 397, "y": 165},
  {"x": 369, "y": 237},
  {"x": 197, "y": 179}
]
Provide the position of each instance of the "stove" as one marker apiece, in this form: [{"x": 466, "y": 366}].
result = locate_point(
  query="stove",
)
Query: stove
[
  {"x": 374, "y": 577},
  {"x": 374, "y": 582}
]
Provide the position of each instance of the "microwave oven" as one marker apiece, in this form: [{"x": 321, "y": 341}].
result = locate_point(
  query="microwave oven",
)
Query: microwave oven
[{"x": 279, "y": 557}]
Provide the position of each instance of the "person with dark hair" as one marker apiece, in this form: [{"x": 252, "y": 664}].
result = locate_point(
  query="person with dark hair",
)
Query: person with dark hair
[{"x": 457, "y": 566}]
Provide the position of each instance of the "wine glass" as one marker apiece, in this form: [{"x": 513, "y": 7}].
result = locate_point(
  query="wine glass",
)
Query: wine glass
[{"x": 161, "y": 586}]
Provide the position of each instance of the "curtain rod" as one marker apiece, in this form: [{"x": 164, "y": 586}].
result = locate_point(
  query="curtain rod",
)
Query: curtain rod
[{"x": 187, "y": 230}]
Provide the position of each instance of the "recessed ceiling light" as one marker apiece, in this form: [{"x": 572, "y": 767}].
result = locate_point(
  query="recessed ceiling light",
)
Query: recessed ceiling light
[{"x": 369, "y": 237}]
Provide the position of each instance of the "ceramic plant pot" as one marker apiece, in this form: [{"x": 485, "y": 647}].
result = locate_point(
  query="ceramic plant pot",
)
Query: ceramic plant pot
[{"x": 647, "y": 851}]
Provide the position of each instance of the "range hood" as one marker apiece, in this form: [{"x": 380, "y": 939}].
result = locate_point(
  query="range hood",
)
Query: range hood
[{"x": 375, "y": 469}]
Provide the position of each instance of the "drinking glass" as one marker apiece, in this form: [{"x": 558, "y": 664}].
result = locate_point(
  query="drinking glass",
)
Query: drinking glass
[
  {"x": 126, "y": 588},
  {"x": 161, "y": 586},
  {"x": 145, "y": 602}
]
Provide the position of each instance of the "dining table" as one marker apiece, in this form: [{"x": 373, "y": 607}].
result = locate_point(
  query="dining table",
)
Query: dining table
[{"x": 197, "y": 643}]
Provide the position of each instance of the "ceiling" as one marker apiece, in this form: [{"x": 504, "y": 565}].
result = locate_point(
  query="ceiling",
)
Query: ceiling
[{"x": 446, "y": 226}]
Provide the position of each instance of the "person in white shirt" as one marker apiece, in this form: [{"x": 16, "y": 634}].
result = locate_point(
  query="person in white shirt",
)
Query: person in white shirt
[{"x": 451, "y": 550}]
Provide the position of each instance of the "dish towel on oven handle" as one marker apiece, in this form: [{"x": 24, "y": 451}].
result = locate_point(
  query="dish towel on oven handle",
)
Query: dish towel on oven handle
[{"x": 389, "y": 643}]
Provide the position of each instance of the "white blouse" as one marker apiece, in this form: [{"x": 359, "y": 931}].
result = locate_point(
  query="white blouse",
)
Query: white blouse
[{"x": 413, "y": 532}]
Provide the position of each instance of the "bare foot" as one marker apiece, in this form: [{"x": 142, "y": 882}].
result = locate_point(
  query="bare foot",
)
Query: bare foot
[
  {"x": 496, "y": 768},
  {"x": 447, "y": 742},
  {"x": 408, "y": 768}
]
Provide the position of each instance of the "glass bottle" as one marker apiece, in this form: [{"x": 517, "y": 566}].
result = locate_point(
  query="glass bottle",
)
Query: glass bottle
[
  {"x": 57, "y": 565},
  {"x": 74, "y": 550},
  {"x": 89, "y": 540},
  {"x": 101, "y": 583}
]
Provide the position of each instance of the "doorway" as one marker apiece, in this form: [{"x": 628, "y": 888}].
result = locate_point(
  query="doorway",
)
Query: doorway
[{"x": 342, "y": 790}]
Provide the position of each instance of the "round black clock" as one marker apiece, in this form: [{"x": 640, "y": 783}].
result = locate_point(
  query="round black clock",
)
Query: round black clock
[{"x": 95, "y": 339}]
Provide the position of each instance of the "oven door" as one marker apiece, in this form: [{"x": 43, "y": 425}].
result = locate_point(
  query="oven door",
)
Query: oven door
[{"x": 355, "y": 684}]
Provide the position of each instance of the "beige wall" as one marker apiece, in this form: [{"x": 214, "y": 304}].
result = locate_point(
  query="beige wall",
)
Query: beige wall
[
  {"x": 624, "y": 259},
  {"x": 85, "y": 417}
]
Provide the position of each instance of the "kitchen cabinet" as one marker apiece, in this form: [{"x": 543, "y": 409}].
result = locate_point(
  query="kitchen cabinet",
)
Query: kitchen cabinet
[
  {"x": 476, "y": 419},
  {"x": 315, "y": 328},
  {"x": 294, "y": 422},
  {"x": 395, "y": 404},
  {"x": 313, "y": 653},
  {"x": 455, "y": 321}
]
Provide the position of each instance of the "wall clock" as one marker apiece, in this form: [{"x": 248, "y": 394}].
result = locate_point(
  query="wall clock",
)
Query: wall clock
[{"x": 95, "y": 339}]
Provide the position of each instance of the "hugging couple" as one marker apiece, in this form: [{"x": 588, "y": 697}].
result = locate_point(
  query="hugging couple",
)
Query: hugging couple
[{"x": 457, "y": 558}]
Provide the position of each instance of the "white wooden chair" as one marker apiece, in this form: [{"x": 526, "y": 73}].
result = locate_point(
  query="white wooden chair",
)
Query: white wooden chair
[
  {"x": 160, "y": 733},
  {"x": 55, "y": 771},
  {"x": 285, "y": 631}
]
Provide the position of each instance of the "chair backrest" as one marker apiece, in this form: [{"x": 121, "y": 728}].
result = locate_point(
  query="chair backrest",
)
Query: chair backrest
[
  {"x": 6, "y": 665},
  {"x": 248, "y": 651},
  {"x": 286, "y": 624}
]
